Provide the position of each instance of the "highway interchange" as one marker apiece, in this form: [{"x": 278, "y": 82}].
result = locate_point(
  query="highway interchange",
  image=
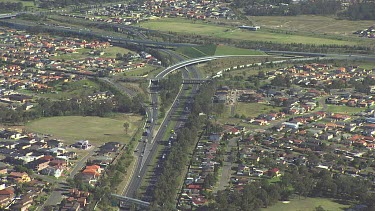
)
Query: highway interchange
[{"x": 147, "y": 146}]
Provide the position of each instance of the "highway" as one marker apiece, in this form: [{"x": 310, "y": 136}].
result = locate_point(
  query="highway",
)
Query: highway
[{"x": 147, "y": 147}]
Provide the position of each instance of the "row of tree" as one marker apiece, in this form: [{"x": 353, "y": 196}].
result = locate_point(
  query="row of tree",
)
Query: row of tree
[
  {"x": 77, "y": 106},
  {"x": 297, "y": 180},
  {"x": 165, "y": 190},
  {"x": 6, "y": 7},
  {"x": 360, "y": 11},
  {"x": 169, "y": 88},
  {"x": 319, "y": 7}
]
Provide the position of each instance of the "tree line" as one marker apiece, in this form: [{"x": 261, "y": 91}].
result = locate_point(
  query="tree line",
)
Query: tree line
[
  {"x": 165, "y": 190},
  {"x": 45, "y": 107},
  {"x": 296, "y": 180},
  {"x": 169, "y": 88},
  {"x": 319, "y": 7},
  {"x": 10, "y": 7},
  {"x": 360, "y": 11}
]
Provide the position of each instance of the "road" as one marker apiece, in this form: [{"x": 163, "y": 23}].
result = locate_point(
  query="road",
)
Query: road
[
  {"x": 81, "y": 162},
  {"x": 61, "y": 186},
  {"x": 149, "y": 149},
  {"x": 229, "y": 159}
]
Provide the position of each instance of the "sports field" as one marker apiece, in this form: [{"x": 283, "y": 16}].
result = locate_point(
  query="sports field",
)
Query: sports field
[
  {"x": 307, "y": 204},
  {"x": 94, "y": 129},
  {"x": 206, "y": 29}
]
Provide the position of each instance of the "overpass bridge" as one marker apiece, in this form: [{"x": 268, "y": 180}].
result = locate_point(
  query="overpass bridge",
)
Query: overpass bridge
[
  {"x": 123, "y": 200},
  {"x": 7, "y": 16}
]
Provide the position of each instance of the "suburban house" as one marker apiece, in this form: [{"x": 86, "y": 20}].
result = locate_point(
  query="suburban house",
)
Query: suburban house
[
  {"x": 6, "y": 196},
  {"x": 19, "y": 177}
]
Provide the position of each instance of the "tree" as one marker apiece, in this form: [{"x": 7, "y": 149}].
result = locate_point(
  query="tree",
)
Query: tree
[{"x": 126, "y": 127}]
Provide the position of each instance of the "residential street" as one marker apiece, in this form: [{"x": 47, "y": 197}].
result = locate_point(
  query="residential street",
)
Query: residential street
[
  {"x": 227, "y": 167},
  {"x": 80, "y": 164},
  {"x": 61, "y": 187}
]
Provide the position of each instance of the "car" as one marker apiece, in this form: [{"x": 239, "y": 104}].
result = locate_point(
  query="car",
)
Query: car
[
  {"x": 139, "y": 176},
  {"x": 136, "y": 150}
]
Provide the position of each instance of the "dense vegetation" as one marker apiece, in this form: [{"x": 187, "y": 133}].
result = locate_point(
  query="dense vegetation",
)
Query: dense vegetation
[
  {"x": 10, "y": 6},
  {"x": 78, "y": 106},
  {"x": 319, "y": 7},
  {"x": 356, "y": 11},
  {"x": 169, "y": 88},
  {"x": 297, "y": 180},
  {"x": 360, "y": 11}
]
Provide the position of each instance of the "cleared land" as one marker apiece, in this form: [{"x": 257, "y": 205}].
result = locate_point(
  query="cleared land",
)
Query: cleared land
[
  {"x": 311, "y": 23},
  {"x": 253, "y": 109},
  {"x": 205, "y": 29},
  {"x": 229, "y": 50},
  {"x": 307, "y": 204},
  {"x": 198, "y": 51},
  {"x": 147, "y": 71},
  {"x": 70, "y": 89},
  {"x": 24, "y": 3},
  {"x": 95, "y": 129},
  {"x": 344, "y": 109},
  {"x": 109, "y": 52}
]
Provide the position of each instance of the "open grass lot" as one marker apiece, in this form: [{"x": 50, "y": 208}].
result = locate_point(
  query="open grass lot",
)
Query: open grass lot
[
  {"x": 72, "y": 89},
  {"x": 145, "y": 71},
  {"x": 202, "y": 28},
  {"x": 96, "y": 129},
  {"x": 311, "y": 23},
  {"x": 252, "y": 109},
  {"x": 109, "y": 52},
  {"x": 265, "y": 35},
  {"x": 307, "y": 204},
  {"x": 199, "y": 51},
  {"x": 344, "y": 109},
  {"x": 229, "y": 50},
  {"x": 24, "y": 3},
  {"x": 368, "y": 65},
  {"x": 182, "y": 25}
]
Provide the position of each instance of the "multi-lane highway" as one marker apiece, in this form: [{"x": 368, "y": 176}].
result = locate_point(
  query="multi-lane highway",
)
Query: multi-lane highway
[{"x": 146, "y": 149}]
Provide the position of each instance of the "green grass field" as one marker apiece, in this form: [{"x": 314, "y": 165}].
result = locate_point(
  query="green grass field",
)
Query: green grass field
[
  {"x": 229, "y": 50},
  {"x": 199, "y": 51},
  {"x": 253, "y": 109},
  {"x": 206, "y": 29},
  {"x": 344, "y": 109},
  {"x": 109, "y": 52},
  {"x": 307, "y": 204},
  {"x": 72, "y": 89},
  {"x": 24, "y": 3},
  {"x": 96, "y": 129},
  {"x": 311, "y": 24},
  {"x": 143, "y": 71}
]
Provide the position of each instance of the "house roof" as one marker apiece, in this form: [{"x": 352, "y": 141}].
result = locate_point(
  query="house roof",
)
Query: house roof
[
  {"x": 7, "y": 191},
  {"x": 96, "y": 167},
  {"x": 191, "y": 186},
  {"x": 17, "y": 174}
]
